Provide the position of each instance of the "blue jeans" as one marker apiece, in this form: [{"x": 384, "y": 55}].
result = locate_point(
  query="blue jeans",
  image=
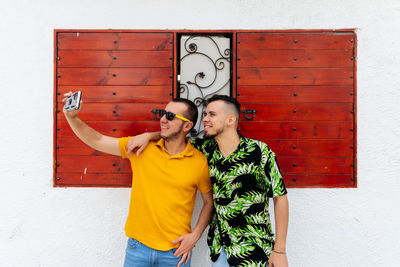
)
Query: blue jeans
[
  {"x": 140, "y": 255},
  {"x": 222, "y": 260}
]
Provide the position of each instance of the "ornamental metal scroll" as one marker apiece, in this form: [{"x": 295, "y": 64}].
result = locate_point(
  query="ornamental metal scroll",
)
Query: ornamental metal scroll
[{"x": 205, "y": 70}]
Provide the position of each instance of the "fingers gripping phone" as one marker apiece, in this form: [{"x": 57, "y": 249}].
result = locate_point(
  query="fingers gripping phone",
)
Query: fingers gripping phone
[{"x": 73, "y": 101}]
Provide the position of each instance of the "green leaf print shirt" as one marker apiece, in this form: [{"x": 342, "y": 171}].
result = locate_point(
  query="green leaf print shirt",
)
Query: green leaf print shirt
[{"x": 242, "y": 185}]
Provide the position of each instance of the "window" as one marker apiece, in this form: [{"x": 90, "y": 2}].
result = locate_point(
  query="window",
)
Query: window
[{"x": 297, "y": 90}]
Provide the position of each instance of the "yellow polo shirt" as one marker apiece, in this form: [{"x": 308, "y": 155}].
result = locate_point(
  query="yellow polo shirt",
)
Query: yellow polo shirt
[{"x": 163, "y": 192}]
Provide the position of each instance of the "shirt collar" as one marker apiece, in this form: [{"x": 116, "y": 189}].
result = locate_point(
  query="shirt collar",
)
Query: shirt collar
[{"x": 188, "y": 151}]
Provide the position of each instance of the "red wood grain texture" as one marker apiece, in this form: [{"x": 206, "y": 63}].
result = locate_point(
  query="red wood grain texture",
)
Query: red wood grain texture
[
  {"x": 311, "y": 148},
  {"x": 74, "y": 146},
  {"x": 297, "y": 129},
  {"x": 114, "y": 76},
  {"x": 280, "y": 41},
  {"x": 315, "y": 165},
  {"x": 93, "y": 179},
  {"x": 117, "y": 112},
  {"x": 114, "y": 59},
  {"x": 111, "y": 128},
  {"x": 301, "y": 111},
  {"x": 92, "y": 164},
  {"x": 288, "y": 165},
  {"x": 294, "y": 94},
  {"x": 114, "y": 41},
  {"x": 320, "y": 180},
  {"x": 119, "y": 93},
  {"x": 295, "y": 76},
  {"x": 295, "y": 58}
]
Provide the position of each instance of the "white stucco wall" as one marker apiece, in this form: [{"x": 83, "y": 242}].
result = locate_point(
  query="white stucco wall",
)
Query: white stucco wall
[{"x": 45, "y": 226}]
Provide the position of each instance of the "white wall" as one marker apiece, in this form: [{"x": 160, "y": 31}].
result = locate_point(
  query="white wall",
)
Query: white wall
[{"x": 45, "y": 226}]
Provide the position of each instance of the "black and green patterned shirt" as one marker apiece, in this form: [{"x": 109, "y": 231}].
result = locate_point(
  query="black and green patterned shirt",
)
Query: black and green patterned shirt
[{"x": 242, "y": 185}]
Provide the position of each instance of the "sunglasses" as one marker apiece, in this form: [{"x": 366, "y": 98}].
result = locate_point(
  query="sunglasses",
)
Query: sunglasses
[{"x": 170, "y": 116}]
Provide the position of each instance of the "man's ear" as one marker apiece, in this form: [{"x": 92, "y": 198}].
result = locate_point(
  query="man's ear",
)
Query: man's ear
[
  {"x": 188, "y": 126},
  {"x": 231, "y": 120}
]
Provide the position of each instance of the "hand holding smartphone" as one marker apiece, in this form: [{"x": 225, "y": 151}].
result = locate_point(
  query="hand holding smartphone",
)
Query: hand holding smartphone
[{"x": 73, "y": 101}]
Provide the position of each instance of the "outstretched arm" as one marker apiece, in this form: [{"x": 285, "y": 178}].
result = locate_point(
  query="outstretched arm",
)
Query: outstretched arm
[
  {"x": 278, "y": 256},
  {"x": 89, "y": 136},
  {"x": 188, "y": 241}
]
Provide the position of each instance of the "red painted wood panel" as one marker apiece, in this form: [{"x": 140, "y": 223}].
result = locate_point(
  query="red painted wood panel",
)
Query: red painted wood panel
[
  {"x": 119, "y": 93},
  {"x": 114, "y": 76},
  {"x": 114, "y": 41},
  {"x": 311, "y": 148},
  {"x": 118, "y": 112},
  {"x": 320, "y": 180},
  {"x": 301, "y": 111},
  {"x": 297, "y": 129},
  {"x": 111, "y": 128},
  {"x": 295, "y": 58},
  {"x": 279, "y": 41},
  {"x": 115, "y": 59},
  {"x": 122, "y": 76},
  {"x": 294, "y": 94},
  {"x": 93, "y": 179},
  {"x": 315, "y": 165},
  {"x": 92, "y": 164},
  {"x": 295, "y": 76}
]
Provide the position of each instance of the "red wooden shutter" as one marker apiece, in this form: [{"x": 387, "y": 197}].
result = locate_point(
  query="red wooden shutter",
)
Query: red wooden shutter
[
  {"x": 302, "y": 88},
  {"x": 122, "y": 76}
]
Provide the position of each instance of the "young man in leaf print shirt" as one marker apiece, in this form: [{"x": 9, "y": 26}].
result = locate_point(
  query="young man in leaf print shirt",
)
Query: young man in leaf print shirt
[{"x": 244, "y": 174}]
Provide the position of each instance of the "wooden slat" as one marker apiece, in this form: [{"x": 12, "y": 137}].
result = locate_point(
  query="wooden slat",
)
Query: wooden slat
[
  {"x": 118, "y": 112},
  {"x": 295, "y": 76},
  {"x": 120, "y": 94},
  {"x": 115, "y": 59},
  {"x": 311, "y": 148},
  {"x": 114, "y": 41},
  {"x": 315, "y": 165},
  {"x": 114, "y": 76},
  {"x": 74, "y": 146},
  {"x": 93, "y": 179},
  {"x": 263, "y": 41},
  {"x": 295, "y": 58},
  {"x": 294, "y": 94},
  {"x": 301, "y": 111},
  {"x": 297, "y": 129},
  {"x": 92, "y": 164},
  {"x": 320, "y": 180},
  {"x": 112, "y": 128}
]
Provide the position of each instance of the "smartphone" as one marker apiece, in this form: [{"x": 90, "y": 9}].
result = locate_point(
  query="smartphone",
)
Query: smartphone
[{"x": 73, "y": 101}]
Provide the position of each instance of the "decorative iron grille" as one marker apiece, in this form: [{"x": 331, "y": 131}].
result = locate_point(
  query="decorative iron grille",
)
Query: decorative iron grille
[{"x": 204, "y": 70}]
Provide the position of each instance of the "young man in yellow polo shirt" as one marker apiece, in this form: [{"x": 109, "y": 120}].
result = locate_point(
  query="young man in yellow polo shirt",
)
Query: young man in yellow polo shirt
[{"x": 165, "y": 180}]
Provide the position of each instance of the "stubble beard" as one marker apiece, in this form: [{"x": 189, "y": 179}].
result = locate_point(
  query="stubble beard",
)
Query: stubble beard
[
  {"x": 173, "y": 136},
  {"x": 211, "y": 136}
]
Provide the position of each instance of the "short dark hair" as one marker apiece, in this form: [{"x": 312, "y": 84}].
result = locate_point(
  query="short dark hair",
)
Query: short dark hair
[
  {"x": 227, "y": 99},
  {"x": 191, "y": 112}
]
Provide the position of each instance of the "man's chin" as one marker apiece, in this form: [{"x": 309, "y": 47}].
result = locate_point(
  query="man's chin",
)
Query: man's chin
[{"x": 208, "y": 136}]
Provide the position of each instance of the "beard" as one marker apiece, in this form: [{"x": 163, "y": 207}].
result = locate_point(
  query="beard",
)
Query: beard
[
  {"x": 174, "y": 135},
  {"x": 208, "y": 136}
]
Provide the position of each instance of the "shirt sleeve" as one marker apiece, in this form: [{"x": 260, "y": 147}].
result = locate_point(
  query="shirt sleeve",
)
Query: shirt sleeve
[
  {"x": 123, "y": 145},
  {"x": 204, "y": 184},
  {"x": 274, "y": 175}
]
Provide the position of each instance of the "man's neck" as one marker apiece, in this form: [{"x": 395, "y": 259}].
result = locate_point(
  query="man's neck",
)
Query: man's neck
[
  {"x": 175, "y": 146},
  {"x": 228, "y": 142}
]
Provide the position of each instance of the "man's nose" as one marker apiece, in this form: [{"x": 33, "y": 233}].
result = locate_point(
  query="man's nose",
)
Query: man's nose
[{"x": 163, "y": 118}]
